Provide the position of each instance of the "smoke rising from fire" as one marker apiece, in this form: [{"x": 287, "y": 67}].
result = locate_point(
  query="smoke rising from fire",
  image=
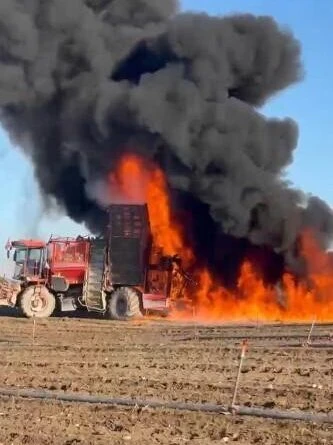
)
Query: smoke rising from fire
[{"x": 84, "y": 81}]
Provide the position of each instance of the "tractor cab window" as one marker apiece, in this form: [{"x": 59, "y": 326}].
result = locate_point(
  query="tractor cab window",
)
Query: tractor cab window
[
  {"x": 20, "y": 256},
  {"x": 34, "y": 254},
  {"x": 34, "y": 262},
  {"x": 27, "y": 262}
]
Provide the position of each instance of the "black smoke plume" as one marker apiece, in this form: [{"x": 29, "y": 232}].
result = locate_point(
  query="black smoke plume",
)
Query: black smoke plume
[{"x": 83, "y": 80}]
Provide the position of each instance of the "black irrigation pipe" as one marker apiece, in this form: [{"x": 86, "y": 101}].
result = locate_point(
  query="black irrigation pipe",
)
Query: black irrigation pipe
[
  {"x": 235, "y": 325},
  {"x": 252, "y": 337},
  {"x": 179, "y": 406},
  {"x": 309, "y": 345},
  {"x": 221, "y": 329}
]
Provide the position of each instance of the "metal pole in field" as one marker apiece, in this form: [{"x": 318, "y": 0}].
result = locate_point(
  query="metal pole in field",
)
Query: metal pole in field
[
  {"x": 308, "y": 341},
  {"x": 242, "y": 357},
  {"x": 33, "y": 330},
  {"x": 194, "y": 316}
]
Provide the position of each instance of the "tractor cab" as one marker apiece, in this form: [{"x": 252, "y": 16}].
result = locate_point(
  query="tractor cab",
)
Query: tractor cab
[{"x": 29, "y": 259}]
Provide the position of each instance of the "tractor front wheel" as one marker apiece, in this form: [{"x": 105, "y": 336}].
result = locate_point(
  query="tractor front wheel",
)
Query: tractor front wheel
[
  {"x": 37, "y": 301},
  {"x": 124, "y": 304}
]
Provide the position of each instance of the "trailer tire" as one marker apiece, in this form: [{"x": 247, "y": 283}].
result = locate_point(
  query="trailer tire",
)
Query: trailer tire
[
  {"x": 37, "y": 301},
  {"x": 124, "y": 304}
]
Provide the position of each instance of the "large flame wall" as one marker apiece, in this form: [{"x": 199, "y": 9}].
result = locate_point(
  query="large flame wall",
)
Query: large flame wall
[{"x": 137, "y": 181}]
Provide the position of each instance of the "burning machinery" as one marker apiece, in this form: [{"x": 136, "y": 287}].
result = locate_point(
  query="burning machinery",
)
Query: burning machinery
[{"x": 121, "y": 273}]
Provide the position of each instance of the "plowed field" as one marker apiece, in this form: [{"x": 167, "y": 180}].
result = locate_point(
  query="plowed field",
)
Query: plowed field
[{"x": 162, "y": 360}]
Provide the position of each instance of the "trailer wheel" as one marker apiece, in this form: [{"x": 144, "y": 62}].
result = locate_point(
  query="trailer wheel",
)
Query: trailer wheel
[
  {"x": 124, "y": 304},
  {"x": 37, "y": 301}
]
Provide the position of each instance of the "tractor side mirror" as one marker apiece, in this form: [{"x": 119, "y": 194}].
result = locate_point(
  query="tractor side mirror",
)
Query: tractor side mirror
[{"x": 14, "y": 256}]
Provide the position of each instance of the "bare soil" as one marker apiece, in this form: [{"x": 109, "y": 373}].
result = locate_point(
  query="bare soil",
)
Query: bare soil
[{"x": 162, "y": 360}]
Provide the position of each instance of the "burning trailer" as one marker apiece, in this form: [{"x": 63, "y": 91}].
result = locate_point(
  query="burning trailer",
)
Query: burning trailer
[{"x": 121, "y": 274}]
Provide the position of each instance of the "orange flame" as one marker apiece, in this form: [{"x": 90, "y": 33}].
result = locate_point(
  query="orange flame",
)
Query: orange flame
[{"x": 139, "y": 181}]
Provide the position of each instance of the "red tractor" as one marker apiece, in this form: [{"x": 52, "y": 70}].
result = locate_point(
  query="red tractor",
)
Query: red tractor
[{"x": 121, "y": 274}]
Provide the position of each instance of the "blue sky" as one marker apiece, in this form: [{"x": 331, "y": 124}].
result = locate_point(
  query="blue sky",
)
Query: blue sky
[{"x": 309, "y": 103}]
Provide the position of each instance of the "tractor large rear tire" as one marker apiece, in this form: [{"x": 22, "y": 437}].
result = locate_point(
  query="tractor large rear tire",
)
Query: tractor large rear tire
[
  {"x": 37, "y": 301},
  {"x": 124, "y": 304}
]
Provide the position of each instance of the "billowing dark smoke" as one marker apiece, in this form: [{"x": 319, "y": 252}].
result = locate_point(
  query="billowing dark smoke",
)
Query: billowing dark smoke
[{"x": 83, "y": 80}]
